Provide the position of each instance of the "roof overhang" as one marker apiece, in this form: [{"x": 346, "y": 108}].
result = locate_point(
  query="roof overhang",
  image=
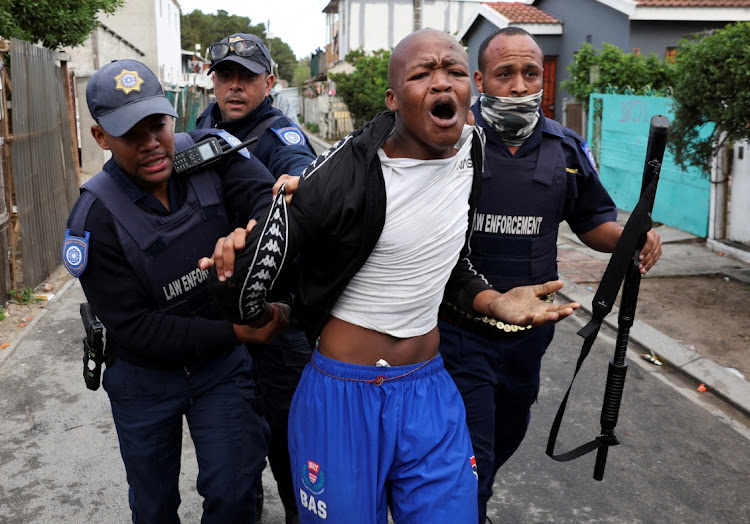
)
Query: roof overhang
[
  {"x": 500, "y": 22},
  {"x": 692, "y": 14},
  {"x": 627, "y": 7}
]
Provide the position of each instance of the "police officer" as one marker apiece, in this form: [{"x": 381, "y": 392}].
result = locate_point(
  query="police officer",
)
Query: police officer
[
  {"x": 537, "y": 173},
  {"x": 134, "y": 238},
  {"x": 241, "y": 68}
]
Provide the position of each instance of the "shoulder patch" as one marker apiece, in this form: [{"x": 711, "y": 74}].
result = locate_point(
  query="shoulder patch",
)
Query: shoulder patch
[
  {"x": 589, "y": 156},
  {"x": 75, "y": 253},
  {"x": 291, "y": 136}
]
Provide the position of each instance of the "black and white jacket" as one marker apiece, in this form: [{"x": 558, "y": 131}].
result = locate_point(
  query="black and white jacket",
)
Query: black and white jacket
[{"x": 334, "y": 222}]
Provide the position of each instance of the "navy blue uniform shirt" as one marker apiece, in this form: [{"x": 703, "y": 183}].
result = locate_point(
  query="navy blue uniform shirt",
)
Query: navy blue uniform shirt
[
  {"x": 591, "y": 205},
  {"x": 279, "y": 157}
]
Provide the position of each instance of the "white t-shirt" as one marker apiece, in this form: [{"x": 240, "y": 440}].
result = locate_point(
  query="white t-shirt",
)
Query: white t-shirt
[{"x": 399, "y": 288}]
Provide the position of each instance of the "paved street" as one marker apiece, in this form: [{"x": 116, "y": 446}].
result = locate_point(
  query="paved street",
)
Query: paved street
[{"x": 682, "y": 460}]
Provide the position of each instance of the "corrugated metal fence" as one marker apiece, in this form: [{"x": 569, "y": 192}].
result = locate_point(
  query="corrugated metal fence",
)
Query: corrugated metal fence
[
  {"x": 189, "y": 102},
  {"x": 43, "y": 170}
]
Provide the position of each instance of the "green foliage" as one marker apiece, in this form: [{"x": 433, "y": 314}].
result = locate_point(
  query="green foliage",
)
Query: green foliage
[
  {"x": 711, "y": 88},
  {"x": 3, "y": 314},
  {"x": 301, "y": 72},
  {"x": 312, "y": 127},
  {"x": 363, "y": 91},
  {"x": 25, "y": 296},
  {"x": 284, "y": 56},
  {"x": 612, "y": 67},
  {"x": 54, "y": 23},
  {"x": 205, "y": 29}
]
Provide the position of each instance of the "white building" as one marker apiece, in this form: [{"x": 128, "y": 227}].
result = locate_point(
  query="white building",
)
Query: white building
[{"x": 144, "y": 30}]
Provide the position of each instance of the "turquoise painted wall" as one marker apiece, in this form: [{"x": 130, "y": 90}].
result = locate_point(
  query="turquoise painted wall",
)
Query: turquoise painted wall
[{"x": 682, "y": 198}]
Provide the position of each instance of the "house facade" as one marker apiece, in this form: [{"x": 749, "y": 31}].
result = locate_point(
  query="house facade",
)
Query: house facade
[
  {"x": 143, "y": 30},
  {"x": 380, "y": 24},
  {"x": 640, "y": 26},
  {"x": 643, "y": 26}
]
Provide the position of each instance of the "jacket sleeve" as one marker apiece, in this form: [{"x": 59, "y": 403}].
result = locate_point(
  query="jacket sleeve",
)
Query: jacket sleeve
[
  {"x": 465, "y": 283},
  {"x": 284, "y": 158},
  {"x": 270, "y": 250},
  {"x": 246, "y": 186}
]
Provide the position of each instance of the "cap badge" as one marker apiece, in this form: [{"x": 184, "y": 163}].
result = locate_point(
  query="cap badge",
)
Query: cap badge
[{"x": 128, "y": 81}]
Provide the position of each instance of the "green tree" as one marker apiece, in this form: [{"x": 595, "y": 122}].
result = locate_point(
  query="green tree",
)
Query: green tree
[
  {"x": 363, "y": 91},
  {"x": 711, "y": 94},
  {"x": 301, "y": 72},
  {"x": 54, "y": 23},
  {"x": 284, "y": 56},
  {"x": 611, "y": 67},
  {"x": 205, "y": 29}
]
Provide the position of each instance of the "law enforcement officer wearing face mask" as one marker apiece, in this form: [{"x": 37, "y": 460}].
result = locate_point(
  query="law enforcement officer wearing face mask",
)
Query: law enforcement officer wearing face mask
[
  {"x": 243, "y": 80},
  {"x": 134, "y": 238},
  {"x": 537, "y": 174}
]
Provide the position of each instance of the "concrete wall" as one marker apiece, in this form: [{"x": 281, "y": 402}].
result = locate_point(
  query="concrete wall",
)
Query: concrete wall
[
  {"x": 154, "y": 26},
  {"x": 101, "y": 47}
]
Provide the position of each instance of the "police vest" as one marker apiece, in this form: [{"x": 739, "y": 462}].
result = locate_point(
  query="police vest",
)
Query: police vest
[
  {"x": 164, "y": 250},
  {"x": 514, "y": 237}
]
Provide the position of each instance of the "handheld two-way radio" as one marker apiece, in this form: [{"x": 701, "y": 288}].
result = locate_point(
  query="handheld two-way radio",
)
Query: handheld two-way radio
[{"x": 206, "y": 152}]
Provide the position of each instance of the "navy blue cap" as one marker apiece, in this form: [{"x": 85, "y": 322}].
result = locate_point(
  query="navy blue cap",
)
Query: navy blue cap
[
  {"x": 124, "y": 92},
  {"x": 257, "y": 63}
]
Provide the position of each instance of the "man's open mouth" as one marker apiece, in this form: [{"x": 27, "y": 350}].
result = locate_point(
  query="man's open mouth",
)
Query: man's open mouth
[{"x": 444, "y": 112}]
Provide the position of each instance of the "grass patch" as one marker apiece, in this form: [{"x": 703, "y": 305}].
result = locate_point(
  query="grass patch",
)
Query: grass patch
[{"x": 25, "y": 296}]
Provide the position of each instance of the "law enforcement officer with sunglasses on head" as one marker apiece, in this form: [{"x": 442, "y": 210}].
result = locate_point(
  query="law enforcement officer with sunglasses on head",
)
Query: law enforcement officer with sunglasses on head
[{"x": 241, "y": 68}]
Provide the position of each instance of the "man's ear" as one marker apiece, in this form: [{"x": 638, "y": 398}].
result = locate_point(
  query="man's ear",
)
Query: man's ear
[
  {"x": 98, "y": 133},
  {"x": 269, "y": 83},
  {"x": 390, "y": 100},
  {"x": 478, "y": 79}
]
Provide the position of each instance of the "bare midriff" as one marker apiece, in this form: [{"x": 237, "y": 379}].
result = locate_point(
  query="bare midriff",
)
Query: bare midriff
[{"x": 345, "y": 342}]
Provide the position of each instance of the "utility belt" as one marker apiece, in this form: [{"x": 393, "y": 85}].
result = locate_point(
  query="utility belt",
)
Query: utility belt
[{"x": 481, "y": 325}]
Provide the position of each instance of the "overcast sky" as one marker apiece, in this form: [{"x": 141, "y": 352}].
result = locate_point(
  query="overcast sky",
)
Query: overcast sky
[{"x": 299, "y": 23}]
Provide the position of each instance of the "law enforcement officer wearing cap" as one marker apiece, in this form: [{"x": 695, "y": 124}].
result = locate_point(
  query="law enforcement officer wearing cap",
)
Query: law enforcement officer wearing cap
[
  {"x": 134, "y": 238},
  {"x": 243, "y": 78},
  {"x": 537, "y": 173}
]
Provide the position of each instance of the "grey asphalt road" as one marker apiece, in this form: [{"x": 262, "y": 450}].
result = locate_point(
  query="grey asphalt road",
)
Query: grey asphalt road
[{"x": 683, "y": 458}]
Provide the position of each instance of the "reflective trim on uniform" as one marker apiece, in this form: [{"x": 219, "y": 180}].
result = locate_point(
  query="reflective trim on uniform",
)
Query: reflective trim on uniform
[{"x": 233, "y": 141}]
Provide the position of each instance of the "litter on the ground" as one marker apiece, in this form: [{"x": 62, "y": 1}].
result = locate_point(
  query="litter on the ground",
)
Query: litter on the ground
[{"x": 651, "y": 358}]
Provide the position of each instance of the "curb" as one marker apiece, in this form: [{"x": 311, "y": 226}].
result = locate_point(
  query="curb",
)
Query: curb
[
  {"x": 730, "y": 388},
  {"x": 29, "y": 327},
  {"x": 318, "y": 143}
]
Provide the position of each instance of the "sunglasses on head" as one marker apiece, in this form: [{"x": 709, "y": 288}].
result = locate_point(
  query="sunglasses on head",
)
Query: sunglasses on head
[{"x": 244, "y": 48}]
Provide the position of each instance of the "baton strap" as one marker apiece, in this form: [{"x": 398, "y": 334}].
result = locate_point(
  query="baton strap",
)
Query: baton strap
[{"x": 627, "y": 247}]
